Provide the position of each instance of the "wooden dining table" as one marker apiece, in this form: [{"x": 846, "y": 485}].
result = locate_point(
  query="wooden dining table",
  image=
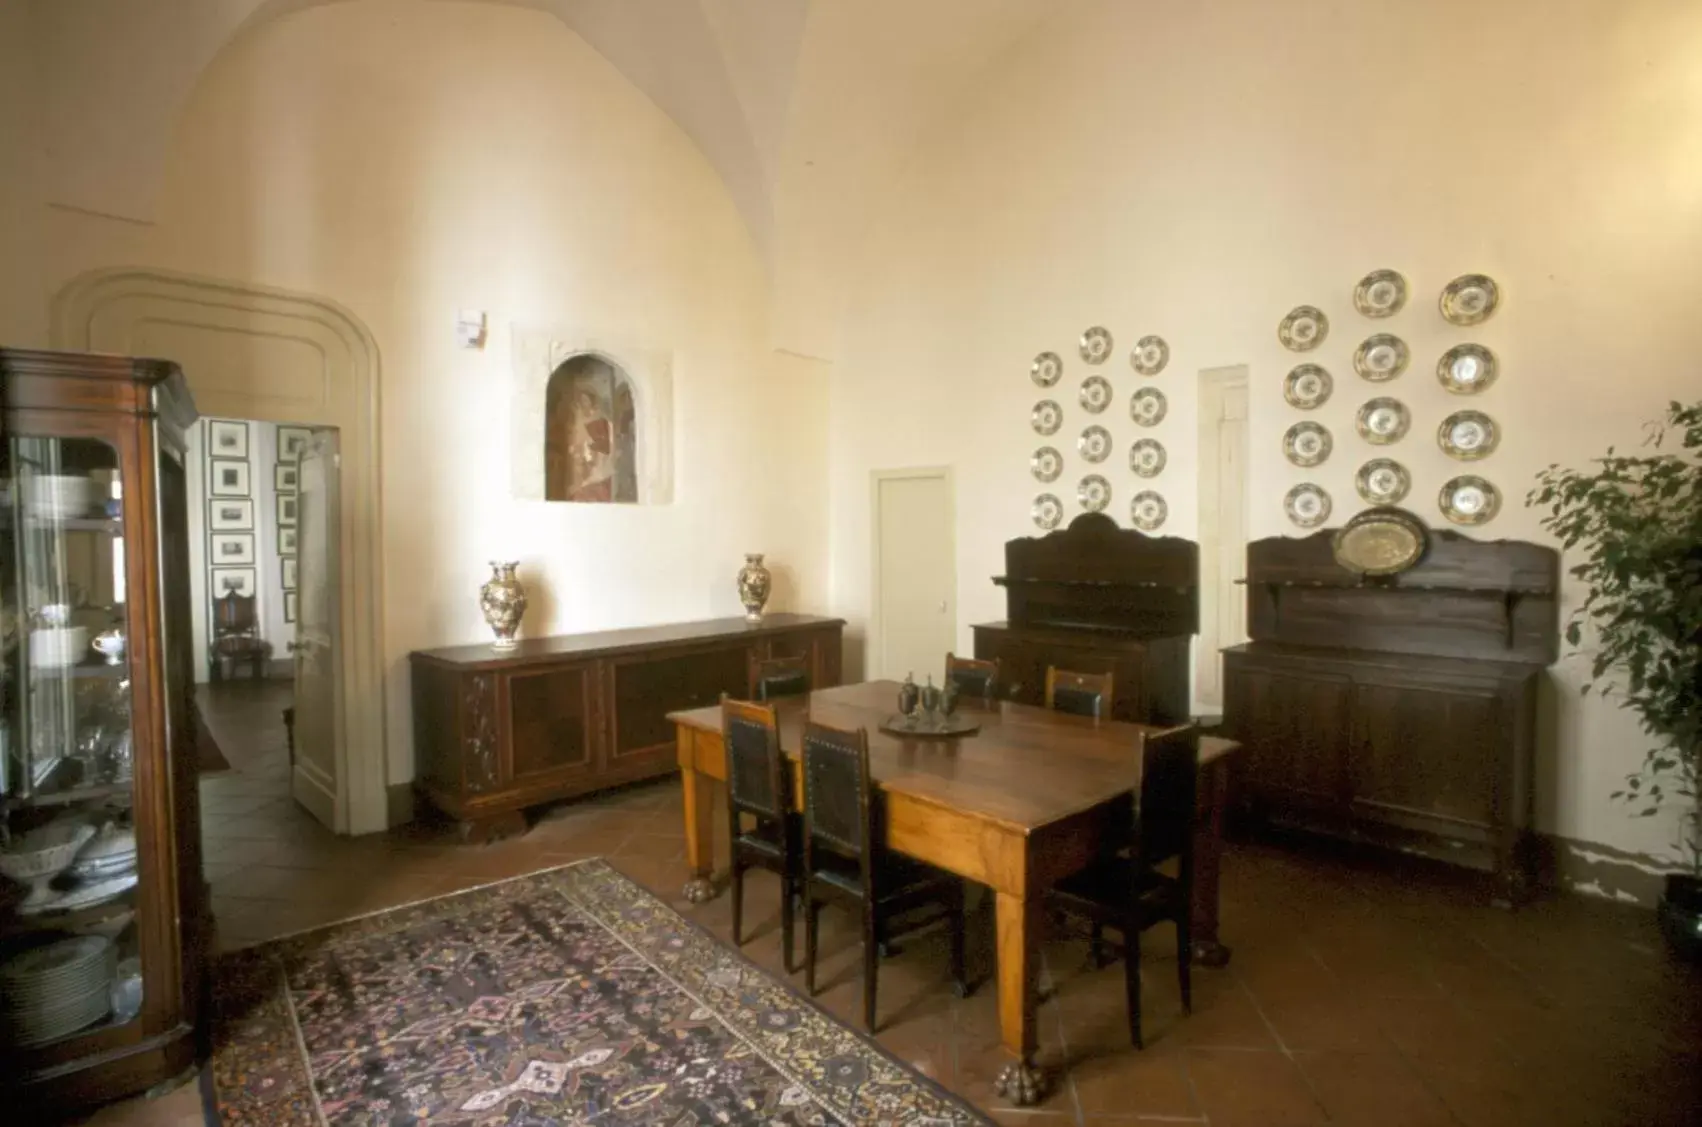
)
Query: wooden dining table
[{"x": 1027, "y": 799}]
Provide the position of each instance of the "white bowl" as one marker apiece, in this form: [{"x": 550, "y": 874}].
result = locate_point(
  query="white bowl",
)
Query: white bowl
[
  {"x": 46, "y": 851},
  {"x": 57, "y": 647}
]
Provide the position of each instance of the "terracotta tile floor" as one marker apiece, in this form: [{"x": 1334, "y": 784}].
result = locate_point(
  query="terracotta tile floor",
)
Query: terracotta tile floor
[{"x": 1360, "y": 993}]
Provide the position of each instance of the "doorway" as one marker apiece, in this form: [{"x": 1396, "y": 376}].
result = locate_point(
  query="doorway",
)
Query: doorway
[
  {"x": 1223, "y": 528},
  {"x": 264, "y": 624},
  {"x": 914, "y": 572}
]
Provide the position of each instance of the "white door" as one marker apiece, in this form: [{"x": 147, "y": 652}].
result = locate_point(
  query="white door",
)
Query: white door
[
  {"x": 1223, "y": 527},
  {"x": 318, "y": 780},
  {"x": 915, "y": 580}
]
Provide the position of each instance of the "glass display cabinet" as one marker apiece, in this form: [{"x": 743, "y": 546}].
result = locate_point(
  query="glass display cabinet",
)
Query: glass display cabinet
[{"x": 103, "y": 907}]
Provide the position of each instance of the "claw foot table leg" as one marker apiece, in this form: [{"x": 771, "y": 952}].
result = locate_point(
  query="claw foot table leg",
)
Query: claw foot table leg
[
  {"x": 699, "y": 890},
  {"x": 1021, "y": 1082}
]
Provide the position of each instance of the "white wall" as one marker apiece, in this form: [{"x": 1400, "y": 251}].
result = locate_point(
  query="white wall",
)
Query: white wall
[
  {"x": 1196, "y": 170},
  {"x": 410, "y": 160},
  {"x": 23, "y": 312}
]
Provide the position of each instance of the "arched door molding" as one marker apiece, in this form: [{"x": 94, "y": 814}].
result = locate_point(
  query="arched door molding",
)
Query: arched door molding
[{"x": 109, "y": 310}]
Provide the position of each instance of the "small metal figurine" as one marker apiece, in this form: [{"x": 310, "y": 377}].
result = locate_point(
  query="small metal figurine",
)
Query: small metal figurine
[{"x": 908, "y": 696}]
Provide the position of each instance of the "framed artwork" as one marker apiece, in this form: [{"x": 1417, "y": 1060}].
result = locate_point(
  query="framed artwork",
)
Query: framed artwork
[
  {"x": 229, "y": 478},
  {"x": 290, "y": 443},
  {"x": 286, "y": 511},
  {"x": 284, "y": 477},
  {"x": 227, "y": 438},
  {"x": 233, "y": 581},
  {"x": 289, "y": 573},
  {"x": 289, "y": 606},
  {"x": 233, "y": 514},
  {"x": 232, "y": 548},
  {"x": 286, "y": 541}
]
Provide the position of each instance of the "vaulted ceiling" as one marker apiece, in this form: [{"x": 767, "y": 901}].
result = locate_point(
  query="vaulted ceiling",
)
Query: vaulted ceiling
[{"x": 805, "y": 108}]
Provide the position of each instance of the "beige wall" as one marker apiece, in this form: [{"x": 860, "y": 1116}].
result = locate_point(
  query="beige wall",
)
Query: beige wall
[
  {"x": 1196, "y": 170},
  {"x": 23, "y": 312},
  {"x": 482, "y": 157}
]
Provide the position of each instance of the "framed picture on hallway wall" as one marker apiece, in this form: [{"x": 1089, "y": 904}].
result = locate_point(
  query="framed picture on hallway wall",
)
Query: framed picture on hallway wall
[
  {"x": 286, "y": 541},
  {"x": 232, "y": 548},
  {"x": 233, "y": 581},
  {"x": 228, "y": 478},
  {"x": 233, "y": 514},
  {"x": 286, "y": 512},
  {"x": 289, "y": 606},
  {"x": 289, "y": 573},
  {"x": 290, "y": 442},
  {"x": 284, "y": 477},
  {"x": 227, "y": 438}
]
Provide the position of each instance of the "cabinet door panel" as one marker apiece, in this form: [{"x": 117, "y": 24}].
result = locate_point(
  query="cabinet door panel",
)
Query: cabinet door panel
[
  {"x": 552, "y": 723},
  {"x": 646, "y": 690},
  {"x": 1294, "y": 729},
  {"x": 1427, "y": 751}
]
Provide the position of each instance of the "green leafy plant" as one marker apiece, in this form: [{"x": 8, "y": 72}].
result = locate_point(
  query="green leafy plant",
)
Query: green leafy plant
[{"x": 1638, "y": 519}]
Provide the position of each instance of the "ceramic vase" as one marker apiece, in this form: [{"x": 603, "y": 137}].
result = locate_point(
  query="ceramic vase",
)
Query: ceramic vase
[
  {"x": 503, "y": 599},
  {"x": 754, "y": 584}
]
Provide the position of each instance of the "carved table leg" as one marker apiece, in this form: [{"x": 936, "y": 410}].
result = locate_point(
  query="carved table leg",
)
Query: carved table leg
[
  {"x": 493, "y": 827},
  {"x": 1208, "y": 856},
  {"x": 699, "y": 792},
  {"x": 1021, "y": 1081}
]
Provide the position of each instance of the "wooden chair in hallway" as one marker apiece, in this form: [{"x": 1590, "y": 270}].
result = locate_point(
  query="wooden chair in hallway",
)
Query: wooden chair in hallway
[
  {"x": 236, "y": 636},
  {"x": 977, "y": 679},
  {"x": 1080, "y": 694},
  {"x": 1125, "y": 891},
  {"x": 781, "y": 677},
  {"x": 845, "y": 862},
  {"x": 765, "y": 830}
]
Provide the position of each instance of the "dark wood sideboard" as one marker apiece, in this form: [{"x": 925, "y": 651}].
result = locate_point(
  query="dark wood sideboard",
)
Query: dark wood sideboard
[
  {"x": 1095, "y": 598},
  {"x": 555, "y": 717},
  {"x": 1400, "y": 711}
]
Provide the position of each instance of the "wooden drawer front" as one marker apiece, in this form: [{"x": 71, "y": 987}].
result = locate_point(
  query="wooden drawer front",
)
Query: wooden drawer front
[
  {"x": 1425, "y": 755},
  {"x": 1294, "y": 729},
  {"x": 645, "y": 690},
  {"x": 552, "y": 722}
]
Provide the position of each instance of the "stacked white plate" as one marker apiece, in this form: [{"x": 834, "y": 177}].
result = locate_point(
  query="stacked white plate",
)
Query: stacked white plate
[
  {"x": 54, "y": 647},
  {"x": 60, "y": 496},
  {"x": 52, "y": 991},
  {"x": 111, "y": 854}
]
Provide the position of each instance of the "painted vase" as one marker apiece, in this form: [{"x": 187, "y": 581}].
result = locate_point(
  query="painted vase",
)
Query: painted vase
[
  {"x": 503, "y": 599},
  {"x": 754, "y": 584}
]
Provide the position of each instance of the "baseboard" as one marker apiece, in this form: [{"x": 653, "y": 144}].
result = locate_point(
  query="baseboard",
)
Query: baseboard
[
  {"x": 399, "y": 804},
  {"x": 1599, "y": 870}
]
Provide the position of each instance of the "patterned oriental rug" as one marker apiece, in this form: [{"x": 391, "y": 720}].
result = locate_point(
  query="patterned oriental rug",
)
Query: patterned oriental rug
[{"x": 564, "y": 997}]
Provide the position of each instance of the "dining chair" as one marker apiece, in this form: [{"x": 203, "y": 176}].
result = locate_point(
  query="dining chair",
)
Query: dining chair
[
  {"x": 1080, "y": 694},
  {"x": 781, "y": 677},
  {"x": 1125, "y": 890},
  {"x": 973, "y": 678},
  {"x": 845, "y": 862},
  {"x": 766, "y": 833}
]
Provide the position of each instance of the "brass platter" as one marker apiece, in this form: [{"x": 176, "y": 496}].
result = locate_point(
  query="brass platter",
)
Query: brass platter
[{"x": 1381, "y": 541}]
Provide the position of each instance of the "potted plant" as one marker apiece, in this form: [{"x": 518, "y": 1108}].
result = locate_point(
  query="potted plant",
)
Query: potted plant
[{"x": 1638, "y": 521}]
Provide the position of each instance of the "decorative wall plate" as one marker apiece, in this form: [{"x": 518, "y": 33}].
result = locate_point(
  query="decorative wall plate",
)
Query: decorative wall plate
[
  {"x": 1307, "y": 505},
  {"x": 1148, "y": 406},
  {"x": 1382, "y": 481},
  {"x": 1147, "y": 457},
  {"x": 1468, "y": 435},
  {"x": 1383, "y": 421},
  {"x": 1306, "y": 444},
  {"x": 1380, "y": 357},
  {"x": 1096, "y": 394},
  {"x": 1096, "y": 345},
  {"x": 1047, "y": 511},
  {"x": 1046, "y": 369},
  {"x": 1469, "y": 299},
  {"x": 1046, "y": 464},
  {"x": 1468, "y": 499},
  {"x": 1094, "y": 445},
  {"x": 1147, "y": 510},
  {"x": 1307, "y": 387},
  {"x": 1094, "y": 493},
  {"x": 1380, "y": 293},
  {"x": 1150, "y": 356},
  {"x": 1046, "y": 417},
  {"x": 1467, "y": 369},
  {"x": 1303, "y": 329},
  {"x": 1381, "y": 541}
]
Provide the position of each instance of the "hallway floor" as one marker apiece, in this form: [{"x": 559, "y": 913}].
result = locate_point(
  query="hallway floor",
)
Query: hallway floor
[{"x": 1360, "y": 993}]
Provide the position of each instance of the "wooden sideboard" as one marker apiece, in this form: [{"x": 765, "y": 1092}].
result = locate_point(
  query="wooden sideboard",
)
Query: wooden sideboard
[
  {"x": 1398, "y": 711},
  {"x": 555, "y": 717},
  {"x": 1095, "y": 598}
]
